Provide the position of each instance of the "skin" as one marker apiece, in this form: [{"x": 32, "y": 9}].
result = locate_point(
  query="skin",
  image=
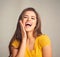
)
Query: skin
[{"x": 27, "y": 36}]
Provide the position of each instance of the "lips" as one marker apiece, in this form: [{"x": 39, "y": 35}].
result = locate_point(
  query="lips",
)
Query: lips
[{"x": 28, "y": 24}]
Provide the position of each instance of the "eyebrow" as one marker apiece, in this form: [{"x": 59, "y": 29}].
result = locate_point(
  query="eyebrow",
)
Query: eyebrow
[
  {"x": 32, "y": 16},
  {"x": 27, "y": 15}
]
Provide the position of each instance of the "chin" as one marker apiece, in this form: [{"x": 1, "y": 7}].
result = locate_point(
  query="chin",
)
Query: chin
[{"x": 28, "y": 30}]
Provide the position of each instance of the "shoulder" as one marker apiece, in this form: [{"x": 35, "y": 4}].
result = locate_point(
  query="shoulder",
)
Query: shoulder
[
  {"x": 43, "y": 40},
  {"x": 15, "y": 43}
]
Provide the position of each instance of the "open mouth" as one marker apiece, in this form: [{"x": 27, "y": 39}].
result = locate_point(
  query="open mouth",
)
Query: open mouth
[{"x": 28, "y": 24}]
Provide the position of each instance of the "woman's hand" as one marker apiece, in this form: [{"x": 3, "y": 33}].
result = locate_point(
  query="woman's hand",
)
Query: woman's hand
[
  {"x": 24, "y": 35},
  {"x": 21, "y": 51}
]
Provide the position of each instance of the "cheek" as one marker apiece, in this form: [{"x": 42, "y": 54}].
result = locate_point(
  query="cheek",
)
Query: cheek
[
  {"x": 23, "y": 21},
  {"x": 34, "y": 24}
]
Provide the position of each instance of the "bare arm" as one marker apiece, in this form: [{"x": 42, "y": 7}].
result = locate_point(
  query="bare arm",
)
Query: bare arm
[
  {"x": 21, "y": 51},
  {"x": 47, "y": 51},
  {"x": 14, "y": 52}
]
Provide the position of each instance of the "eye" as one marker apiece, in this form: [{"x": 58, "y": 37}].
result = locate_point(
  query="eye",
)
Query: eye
[
  {"x": 24, "y": 17},
  {"x": 33, "y": 18}
]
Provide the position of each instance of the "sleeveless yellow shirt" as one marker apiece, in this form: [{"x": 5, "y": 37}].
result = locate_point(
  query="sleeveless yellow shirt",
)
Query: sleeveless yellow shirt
[{"x": 40, "y": 42}]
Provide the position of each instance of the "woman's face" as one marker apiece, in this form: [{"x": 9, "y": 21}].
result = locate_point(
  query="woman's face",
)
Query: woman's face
[{"x": 29, "y": 20}]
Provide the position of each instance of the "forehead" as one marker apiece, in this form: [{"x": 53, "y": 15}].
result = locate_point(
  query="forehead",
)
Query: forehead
[{"x": 31, "y": 13}]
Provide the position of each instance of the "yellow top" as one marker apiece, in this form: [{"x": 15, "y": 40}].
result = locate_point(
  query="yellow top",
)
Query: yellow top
[{"x": 40, "y": 42}]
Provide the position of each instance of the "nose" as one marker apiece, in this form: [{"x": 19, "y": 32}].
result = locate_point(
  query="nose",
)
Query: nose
[{"x": 29, "y": 18}]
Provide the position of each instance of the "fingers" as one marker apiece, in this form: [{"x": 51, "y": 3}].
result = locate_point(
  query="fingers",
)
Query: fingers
[
  {"x": 21, "y": 23},
  {"x": 23, "y": 30},
  {"x": 22, "y": 27}
]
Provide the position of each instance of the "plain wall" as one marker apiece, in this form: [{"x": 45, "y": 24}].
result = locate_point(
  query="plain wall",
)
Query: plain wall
[{"x": 49, "y": 11}]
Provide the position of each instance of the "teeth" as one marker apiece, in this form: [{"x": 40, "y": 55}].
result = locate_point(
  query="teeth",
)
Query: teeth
[{"x": 28, "y": 24}]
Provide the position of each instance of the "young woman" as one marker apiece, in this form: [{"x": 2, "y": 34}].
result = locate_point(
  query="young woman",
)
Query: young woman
[{"x": 28, "y": 40}]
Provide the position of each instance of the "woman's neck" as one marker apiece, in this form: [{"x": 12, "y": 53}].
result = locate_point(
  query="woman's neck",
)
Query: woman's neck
[{"x": 30, "y": 35}]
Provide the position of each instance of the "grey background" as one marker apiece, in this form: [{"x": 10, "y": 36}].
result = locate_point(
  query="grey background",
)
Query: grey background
[{"x": 49, "y": 11}]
